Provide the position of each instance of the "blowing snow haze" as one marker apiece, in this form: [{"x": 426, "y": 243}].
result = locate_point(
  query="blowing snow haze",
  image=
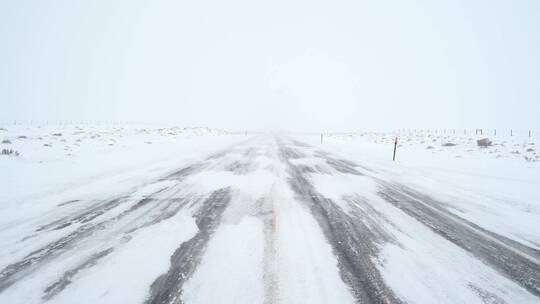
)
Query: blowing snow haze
[
  {"x": 276, "y": 152},
  {"x": 294, "y": 65}
]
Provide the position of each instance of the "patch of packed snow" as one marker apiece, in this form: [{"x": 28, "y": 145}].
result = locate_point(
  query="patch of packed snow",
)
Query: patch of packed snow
[
  {"x": 115, "y": 280},
  {"x": 232, "y": 266}
]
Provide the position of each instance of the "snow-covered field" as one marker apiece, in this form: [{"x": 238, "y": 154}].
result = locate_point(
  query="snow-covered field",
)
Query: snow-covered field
[
  {"x": 108, "y": 214},
  {"x": 54, "y": 158}
]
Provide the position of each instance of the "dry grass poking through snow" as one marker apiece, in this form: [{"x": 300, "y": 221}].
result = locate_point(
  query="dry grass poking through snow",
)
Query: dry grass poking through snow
[{"x": 456, "y": 145}]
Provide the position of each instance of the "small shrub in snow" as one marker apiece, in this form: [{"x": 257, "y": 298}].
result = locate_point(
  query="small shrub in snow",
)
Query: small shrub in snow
[
  {"x": 47, "y": 145},
  {"x": 531, "y": 158},
  {"x": 484, "y": 142},
  {"x": 430, "y": 147},
  {"x": 6, "y": 141},
  {"x": 449, "y": 144},
  {"x": 22, "y": 137},
  {"x": 9, "y": 152},
  {"x": 2, "y": 129},
  {"x": 57, "y": 134},
  {"x": 530, "y": 150}
]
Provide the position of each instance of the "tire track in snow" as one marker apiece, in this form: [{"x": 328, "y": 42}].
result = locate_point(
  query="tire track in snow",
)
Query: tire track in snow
[
  {"x": 271, "y": 286},
  {"x": 33, "y": 261},
  {"x": 246, "y": 205},
  {"x": 168, "y": 287},
  {"x": 513, "y": 260},
  {"x": 354, "y": 246},
  {"x": 59, "y": 285},
  {"x": 94, "y": 211},
  {"x": 89, "y": 219},
  {"x": 503, "y": 255},
  {"x": 48, "y": 253}
]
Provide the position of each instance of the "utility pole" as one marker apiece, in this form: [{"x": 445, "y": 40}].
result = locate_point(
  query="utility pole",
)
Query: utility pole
[
  {"x": 321, "y": 138},
  {"x": 395, "y": 147}
]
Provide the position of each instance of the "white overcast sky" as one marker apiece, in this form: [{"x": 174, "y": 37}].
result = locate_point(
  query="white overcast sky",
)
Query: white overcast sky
[{"x": 280, "y": 64}]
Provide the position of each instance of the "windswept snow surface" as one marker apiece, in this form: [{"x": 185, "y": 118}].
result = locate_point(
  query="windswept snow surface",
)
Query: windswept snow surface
[{"x": 222, "y": 218}]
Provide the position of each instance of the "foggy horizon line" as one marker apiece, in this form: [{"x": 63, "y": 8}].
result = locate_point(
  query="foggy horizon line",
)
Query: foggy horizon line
[{"x": 105, "y": 122}]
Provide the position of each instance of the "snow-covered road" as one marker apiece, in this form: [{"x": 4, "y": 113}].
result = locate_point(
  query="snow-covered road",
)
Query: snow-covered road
[{"x": 270, "y": 220}]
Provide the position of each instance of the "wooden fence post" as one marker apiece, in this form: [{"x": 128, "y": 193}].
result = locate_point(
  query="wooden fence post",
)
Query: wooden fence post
[{"x": 395, "y": 147}]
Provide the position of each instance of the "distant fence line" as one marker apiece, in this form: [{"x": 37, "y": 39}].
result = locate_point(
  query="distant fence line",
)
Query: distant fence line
[
  {"x": 523, "y": 133},
  {"x": 72, "y": 122},
  {"x": 486, "y": 132}
]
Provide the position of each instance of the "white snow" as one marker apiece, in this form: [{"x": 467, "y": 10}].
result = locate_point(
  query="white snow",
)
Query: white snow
[
  {"x": 232, "y": 267},
  {"x": 89, "y": 158},
  {"x": 491, "y": 187},
  {"x": 306, "y": 266},
  {"x": 422, "y": 267},
  {"x": 298, "y": 265},
  {"x": 268, "y": 247},
  {"x": 125, "y": 274},
  {"x": 122, "y": 276}
]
